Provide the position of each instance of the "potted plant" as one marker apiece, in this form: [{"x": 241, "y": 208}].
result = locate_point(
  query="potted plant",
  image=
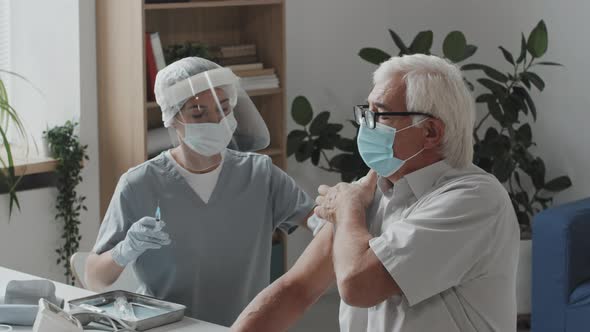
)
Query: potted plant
[
  {"x": 502, "y": 148},
  {"x": 70, "y": 154}
]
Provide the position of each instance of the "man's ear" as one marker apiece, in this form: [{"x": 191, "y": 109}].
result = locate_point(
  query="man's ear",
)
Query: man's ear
[{"x": 434, "y": 131}]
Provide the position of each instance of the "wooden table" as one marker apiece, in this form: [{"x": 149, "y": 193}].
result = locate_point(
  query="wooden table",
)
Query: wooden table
[{"x": 67, "y": 292}]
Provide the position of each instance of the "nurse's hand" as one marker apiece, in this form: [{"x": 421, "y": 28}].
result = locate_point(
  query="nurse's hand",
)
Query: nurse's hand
[
  {"x": 338, "y": 202},
  {"x": 144, "y": 234}
]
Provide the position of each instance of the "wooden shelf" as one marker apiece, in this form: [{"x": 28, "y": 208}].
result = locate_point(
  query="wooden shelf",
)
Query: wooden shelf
[
  {"x": 264, "y": 92},
  {"x": 34, "y": 165},
  {"x": 251, "y": 93},
  {"x": 272, "y": 152},
  {"x": 211, "y": 4}
]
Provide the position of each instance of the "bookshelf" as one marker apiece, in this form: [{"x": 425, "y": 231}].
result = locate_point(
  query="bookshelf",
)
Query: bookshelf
[{"x": 125, "y": 114}]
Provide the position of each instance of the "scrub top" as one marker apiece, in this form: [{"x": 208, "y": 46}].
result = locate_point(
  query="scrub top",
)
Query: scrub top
[{"x": 220, "y": 254}]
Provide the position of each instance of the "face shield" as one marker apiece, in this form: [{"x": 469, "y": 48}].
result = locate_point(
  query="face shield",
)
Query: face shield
[{"x": 209, "y": 112}]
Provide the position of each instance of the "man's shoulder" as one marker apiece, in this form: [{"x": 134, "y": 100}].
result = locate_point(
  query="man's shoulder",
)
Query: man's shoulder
[{"x": 472, "y": 181}]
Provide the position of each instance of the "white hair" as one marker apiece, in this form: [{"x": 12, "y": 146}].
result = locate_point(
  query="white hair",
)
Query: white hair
[{"x": 435, "y": 86}]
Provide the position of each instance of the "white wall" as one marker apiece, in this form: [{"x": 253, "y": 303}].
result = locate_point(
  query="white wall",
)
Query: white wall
[
  {"x": 53, "y": 45},
  {"x": 324, "y": 37}
]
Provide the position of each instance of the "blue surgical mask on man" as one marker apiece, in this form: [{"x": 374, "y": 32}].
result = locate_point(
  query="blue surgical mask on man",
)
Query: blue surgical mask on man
[{"x": 376, "y": 148}]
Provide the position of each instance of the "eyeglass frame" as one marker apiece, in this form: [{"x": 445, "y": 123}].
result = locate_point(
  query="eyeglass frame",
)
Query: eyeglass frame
[{"x": 364, "y": 108}]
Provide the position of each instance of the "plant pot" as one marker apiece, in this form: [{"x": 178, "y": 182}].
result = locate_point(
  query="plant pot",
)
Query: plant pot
[
  {"x": 523, "y": 278},
  {"x": 44, "y": 148}
]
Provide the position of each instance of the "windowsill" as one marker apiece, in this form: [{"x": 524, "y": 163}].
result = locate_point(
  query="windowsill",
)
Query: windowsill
[
  {"x": 34, "y": 165},
  {"x": 37, "y": 172}
]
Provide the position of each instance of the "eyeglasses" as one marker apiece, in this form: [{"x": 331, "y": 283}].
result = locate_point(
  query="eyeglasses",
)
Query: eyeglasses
[{"x": 363, "y": 114}]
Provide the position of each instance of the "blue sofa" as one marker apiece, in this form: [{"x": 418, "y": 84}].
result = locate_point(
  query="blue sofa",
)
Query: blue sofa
[{"x": 561, "y": 269}]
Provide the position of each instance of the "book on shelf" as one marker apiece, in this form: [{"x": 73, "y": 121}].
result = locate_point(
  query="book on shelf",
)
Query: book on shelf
[
  {"x": 236, "y": 60},
  {"x": 260, "y": 82},
  {"x": 254, "y": 73},
  {"x": 158, "y": 51},
  {"x": 152, "y": 69},
  {"x": 232, "y": 51},
  {"x": 246, "y": 66}
]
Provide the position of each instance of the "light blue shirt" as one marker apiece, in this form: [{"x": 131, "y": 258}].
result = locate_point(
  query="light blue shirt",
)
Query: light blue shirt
[{"x": 219, "y": 259}]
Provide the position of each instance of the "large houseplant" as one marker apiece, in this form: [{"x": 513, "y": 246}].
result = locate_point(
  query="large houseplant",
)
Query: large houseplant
[
  {"x": 9, "y": 117},
  {"x": 504, "y": 149}
]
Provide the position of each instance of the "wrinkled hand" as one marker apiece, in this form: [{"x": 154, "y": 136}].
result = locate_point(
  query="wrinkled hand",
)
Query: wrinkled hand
[
  {"x": 342, "y": 198},
  {"x": 144, "y": 234}
]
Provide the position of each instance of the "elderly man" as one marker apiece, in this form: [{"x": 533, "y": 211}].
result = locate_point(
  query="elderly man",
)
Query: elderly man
[{"x": 426, "y": 241}]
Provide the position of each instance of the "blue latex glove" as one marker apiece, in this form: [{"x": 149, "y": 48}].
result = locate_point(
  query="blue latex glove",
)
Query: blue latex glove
[{"x": 142, "y": 235}]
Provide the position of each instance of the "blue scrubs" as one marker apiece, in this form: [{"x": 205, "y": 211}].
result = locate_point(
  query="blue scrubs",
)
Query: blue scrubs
[{"x": 219, "y": 258}]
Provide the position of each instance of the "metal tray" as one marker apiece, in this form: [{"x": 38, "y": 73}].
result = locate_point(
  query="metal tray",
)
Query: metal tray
[{"x": 170, "y": 312}]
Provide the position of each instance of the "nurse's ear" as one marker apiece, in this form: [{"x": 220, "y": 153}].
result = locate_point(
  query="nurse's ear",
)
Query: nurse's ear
[{"x": 434, "y": 131}]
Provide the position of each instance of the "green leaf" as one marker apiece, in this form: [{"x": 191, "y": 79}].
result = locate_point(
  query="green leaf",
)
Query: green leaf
[
  {"x": 510, "y": 112},
  {"x": 558, "y": 184},
  {"x": 422, "y": 42},
  {"x": 485, "y": 98},
  {"x": 496, "y": 111},
  {"x": 491, "y": 134},
  {"x": 469, "y": 51},
  {"x": 374, "y": 55},
  {"x": 334, "y": 128},
  {"x": 315, "y": 156},
  {"x": 304, "y": 151},
  {"x": 328, "y": 141},
  {"x": 507, "y": 55},
  {"x": 346, "y": 162},
  {"x": 403, "y": 49},
  {"x": 454, "y": 46},
  {"x": 489, "y": 71},
  {"x": 320, "y": 123},
  {"x": 346, "y": 145},
  {"x": 523, "y": 218},
  {"x": 537, "y": 42},
  {"x": 524, "y": 134},
  {"x": 294, "y": 140},
  {"x": 548, "y": 63},
  {"x": 531, "y": 105},
  {"x": 537, "y": 173},
  {"x": 522, "y": 55},
  {"x": 469, "y": 84},
  {"x": 502, "y": 169},
  {"x": 301, "y": 111},
  {"x": 525, "y": 81},
  {"x": 535, "y": 79},
  {"x": 498, "y": 89},
  {"x": 519, "y": 101}
]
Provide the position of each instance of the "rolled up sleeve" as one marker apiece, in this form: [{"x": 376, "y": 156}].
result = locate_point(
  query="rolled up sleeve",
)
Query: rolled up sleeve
[{"x": 290, "y": 204}]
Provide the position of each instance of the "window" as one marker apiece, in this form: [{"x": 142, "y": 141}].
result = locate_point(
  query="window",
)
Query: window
[{"x": 4, "y": 34}]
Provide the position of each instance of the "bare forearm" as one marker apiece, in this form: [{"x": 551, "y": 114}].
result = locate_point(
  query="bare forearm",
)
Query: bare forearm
[
  {"x": 351, "y": 242},
  {"x": 274, "y": 309},
  {"x": 101, "y": 271},
  {"x": 282, "y": 303}
]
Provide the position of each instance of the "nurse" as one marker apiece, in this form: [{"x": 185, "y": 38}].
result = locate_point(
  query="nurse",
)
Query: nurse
[{"x": 219, "y": 204}]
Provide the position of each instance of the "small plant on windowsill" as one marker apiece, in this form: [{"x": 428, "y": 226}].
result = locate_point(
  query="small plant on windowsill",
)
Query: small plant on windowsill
[{"x": 65, "y": 147}]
